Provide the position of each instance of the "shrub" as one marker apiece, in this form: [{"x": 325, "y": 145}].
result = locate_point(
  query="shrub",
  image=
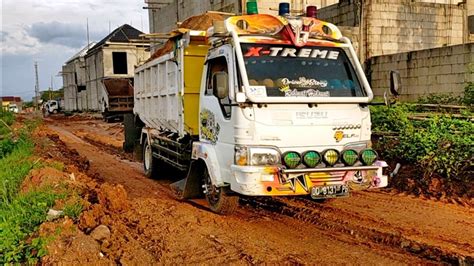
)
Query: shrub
[{"x": 440, "y": 144}]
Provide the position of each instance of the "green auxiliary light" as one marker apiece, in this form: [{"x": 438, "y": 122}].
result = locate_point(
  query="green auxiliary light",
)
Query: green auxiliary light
[
  {"x": 330, "y": 157},
  {"x": 368, "y": 156},
  {"x": 311, "y": 158},
  {"x": 252, "y": 7},
  {"x": 291, "y": 159},
  {"x": 349, "y": 157}
]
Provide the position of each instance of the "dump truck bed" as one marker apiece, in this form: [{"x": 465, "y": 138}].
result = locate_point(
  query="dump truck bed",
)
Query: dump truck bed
[
  {"x": 120, "y": 94},
  {"x": 167, "y": 89}
]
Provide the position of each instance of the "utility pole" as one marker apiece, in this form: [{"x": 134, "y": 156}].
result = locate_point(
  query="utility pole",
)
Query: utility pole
[
  {"x": 36, "y": 87},
  {"x": 51, "y": 89}
]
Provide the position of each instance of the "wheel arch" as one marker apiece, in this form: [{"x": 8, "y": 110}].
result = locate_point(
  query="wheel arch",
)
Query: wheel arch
[{"x": 207, "y": 154}]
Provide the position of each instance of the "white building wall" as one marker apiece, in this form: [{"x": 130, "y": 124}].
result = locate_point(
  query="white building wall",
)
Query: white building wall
[
  {"x": 99, "y": 65},
  {"x": 74, "y": 75}
]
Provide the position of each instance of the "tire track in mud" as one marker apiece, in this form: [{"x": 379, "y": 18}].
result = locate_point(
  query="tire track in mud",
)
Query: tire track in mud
[{"x": 330, "y": 218}]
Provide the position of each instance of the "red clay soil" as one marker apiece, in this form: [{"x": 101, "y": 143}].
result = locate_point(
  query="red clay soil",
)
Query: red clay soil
[{"x": 149, "y": 225}]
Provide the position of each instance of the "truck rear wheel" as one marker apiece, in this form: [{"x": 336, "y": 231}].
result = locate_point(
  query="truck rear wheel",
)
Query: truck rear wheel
[
  {"x": 219, "y": 198},
  {"x": 149, "y": 162},
  {"x": 153, "y": 167}
]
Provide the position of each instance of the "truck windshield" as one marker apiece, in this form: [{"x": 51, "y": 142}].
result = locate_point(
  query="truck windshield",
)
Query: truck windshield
[{"x": 287, "y": 71}]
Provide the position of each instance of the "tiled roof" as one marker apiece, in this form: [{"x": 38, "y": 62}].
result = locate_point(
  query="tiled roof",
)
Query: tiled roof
[{"x": 124, "y": 33}]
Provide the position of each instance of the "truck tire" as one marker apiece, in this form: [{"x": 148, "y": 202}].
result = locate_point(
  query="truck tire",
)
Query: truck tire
[
  {"x": 153, "y": 167},
  {"x": 149, "y": 162},
  {"x": 219, "y": 198}
]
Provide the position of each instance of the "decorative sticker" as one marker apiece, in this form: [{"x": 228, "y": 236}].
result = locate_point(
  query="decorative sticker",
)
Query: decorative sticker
[
  {"x": 259, "y": 91},
  {"x": 209, "y": 127},
  {"x": 265, "y": 50}
]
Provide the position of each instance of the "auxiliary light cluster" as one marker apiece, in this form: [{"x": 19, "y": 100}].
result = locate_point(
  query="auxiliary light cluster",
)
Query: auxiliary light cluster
[{"x": 329, "y": 157}]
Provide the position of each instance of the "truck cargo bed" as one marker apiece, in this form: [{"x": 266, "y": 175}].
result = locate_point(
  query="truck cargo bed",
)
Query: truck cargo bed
[{"x": 167, "y": 89}]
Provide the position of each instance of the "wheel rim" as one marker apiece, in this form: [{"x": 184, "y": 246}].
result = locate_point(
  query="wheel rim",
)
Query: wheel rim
[
  {"x": 212, "y": 192},
  {"x": 148, "y": 156}
]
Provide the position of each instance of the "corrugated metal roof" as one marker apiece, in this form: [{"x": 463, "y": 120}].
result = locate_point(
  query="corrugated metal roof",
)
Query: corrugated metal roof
[{"x": 124, "y": 33}]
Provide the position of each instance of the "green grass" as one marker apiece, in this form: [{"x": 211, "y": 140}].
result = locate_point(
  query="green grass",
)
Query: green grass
[
  {"x": 73, "y": 210},
  {"x": 21, "y": 214},
  {"x": 13, "y": 170},
  {"x": 19, "y": 220}
]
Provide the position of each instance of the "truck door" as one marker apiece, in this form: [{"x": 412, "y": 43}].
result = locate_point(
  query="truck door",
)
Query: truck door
[{"x": 216, "y": 127}]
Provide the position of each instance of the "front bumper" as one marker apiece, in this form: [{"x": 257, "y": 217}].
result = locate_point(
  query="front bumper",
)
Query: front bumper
[{"x": 274, "y": 181}]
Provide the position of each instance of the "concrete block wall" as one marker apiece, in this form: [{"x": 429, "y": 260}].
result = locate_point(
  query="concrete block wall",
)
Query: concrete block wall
[
  {"x": 271, "y": 6},
  {"x": 437, "y": 70},
  {"x": 164, "y": 19},
  {"x": 393, "y": 26},
  {"x": 401, "y": 26},
  {"x": 344, "y": 13}
]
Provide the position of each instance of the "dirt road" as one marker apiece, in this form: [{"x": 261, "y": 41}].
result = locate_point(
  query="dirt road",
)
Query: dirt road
[{"x": 377, "y": 227}]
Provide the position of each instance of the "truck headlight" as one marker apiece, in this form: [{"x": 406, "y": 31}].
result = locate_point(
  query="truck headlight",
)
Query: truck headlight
[{"x": 255, "y": 156}]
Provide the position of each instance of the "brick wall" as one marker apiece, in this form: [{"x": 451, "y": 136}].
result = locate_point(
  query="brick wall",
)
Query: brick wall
[{"x": 437, "y": 70}]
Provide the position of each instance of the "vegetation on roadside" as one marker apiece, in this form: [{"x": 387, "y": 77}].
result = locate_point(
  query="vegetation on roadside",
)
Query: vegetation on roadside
[
  {"x": 466, "y": 99},
  {"x": 22, "y": 212},
  {"x": 439, "y": 145},
  {"x": 6, "y": 142}
]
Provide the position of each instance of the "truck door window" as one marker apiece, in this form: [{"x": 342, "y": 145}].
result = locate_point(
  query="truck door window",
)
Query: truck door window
[{"x": 215, "y": 66}]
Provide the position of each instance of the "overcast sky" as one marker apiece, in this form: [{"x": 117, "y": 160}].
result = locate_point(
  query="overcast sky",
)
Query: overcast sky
[{"x": 52, "y": 31}]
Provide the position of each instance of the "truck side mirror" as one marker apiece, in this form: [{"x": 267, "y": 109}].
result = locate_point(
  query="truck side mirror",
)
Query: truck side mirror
[
  {"x": 220, "y": 84},
  {"x": 395, "y": 82}
]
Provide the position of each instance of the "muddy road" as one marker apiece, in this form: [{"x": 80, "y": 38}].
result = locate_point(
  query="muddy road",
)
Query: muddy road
[{"x": 376, "y": 227}]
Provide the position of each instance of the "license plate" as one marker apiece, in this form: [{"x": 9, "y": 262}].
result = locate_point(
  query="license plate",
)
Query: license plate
[{"x": 331, "y": 191}]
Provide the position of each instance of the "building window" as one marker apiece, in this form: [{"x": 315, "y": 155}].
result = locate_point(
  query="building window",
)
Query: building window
[
  {"x": 120, "y": 62},
  {"x": 470, "y": 23}
]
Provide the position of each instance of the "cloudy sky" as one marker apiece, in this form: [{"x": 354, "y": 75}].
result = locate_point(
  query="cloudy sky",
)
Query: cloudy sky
[{"x": 50, "y": 32}]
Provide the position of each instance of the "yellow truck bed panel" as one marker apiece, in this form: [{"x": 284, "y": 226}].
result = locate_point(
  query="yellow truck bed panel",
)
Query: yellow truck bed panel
[{"x": 194, "y": 56}]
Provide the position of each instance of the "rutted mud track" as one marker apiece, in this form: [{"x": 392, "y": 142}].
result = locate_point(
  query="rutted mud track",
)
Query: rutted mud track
[{"x": 368, "y": 227}]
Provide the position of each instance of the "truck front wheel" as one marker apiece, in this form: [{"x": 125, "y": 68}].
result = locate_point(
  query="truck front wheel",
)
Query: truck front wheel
[{"x": 219, "y": 198}]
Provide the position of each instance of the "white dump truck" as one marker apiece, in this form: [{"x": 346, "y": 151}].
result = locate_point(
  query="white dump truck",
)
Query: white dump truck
[{"x": 257, "y": 105}]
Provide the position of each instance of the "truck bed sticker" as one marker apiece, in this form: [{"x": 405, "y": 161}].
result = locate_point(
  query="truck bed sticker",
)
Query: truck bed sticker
[{"x": 209, "y": 127}]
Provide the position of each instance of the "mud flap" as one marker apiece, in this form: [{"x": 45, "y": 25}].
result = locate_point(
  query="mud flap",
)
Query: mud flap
[{"x": 190, "y": 187}]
